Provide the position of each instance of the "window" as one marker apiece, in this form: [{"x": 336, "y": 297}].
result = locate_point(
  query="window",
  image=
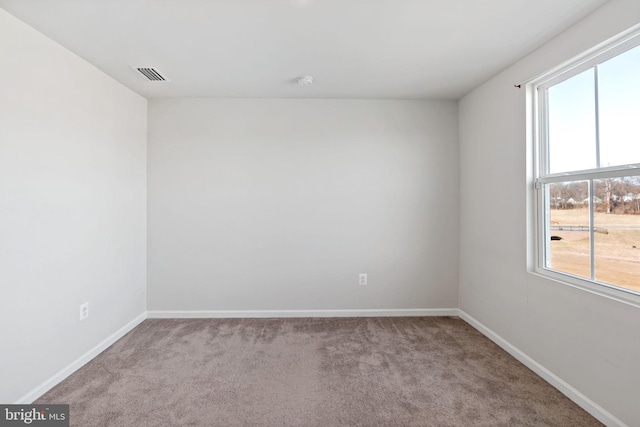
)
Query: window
[{"x": 588, "y": 168}]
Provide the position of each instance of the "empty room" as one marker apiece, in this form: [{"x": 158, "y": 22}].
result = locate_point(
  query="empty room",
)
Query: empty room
[{"x": 320, "y": 213}]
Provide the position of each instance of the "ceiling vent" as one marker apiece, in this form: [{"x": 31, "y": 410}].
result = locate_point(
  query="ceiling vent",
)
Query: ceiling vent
[{"x": 151, "y": 74}]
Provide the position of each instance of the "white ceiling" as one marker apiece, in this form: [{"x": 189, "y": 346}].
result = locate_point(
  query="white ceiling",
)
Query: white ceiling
[{"x": 257, "y": 48}]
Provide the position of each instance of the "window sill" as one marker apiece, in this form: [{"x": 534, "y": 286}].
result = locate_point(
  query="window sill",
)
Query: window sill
[{"x": 628, "y": 297}]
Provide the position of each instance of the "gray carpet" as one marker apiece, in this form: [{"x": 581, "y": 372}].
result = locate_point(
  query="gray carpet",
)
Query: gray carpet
[{"x": 432, "y": 371}]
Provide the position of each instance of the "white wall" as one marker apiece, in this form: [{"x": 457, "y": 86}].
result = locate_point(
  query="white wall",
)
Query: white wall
[
  {"x": 279, "y": 204},
  {"x": 590, "y": 342},
  {"x": 72, "y": 207}
]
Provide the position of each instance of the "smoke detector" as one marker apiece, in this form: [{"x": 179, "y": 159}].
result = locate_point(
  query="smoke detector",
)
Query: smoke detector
[
  {"x": 151, "y": 74},
  {"x": 305, "y": 80}
]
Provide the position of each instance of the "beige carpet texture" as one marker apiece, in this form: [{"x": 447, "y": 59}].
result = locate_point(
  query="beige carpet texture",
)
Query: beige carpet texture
[{"x": 424, "y": 371}]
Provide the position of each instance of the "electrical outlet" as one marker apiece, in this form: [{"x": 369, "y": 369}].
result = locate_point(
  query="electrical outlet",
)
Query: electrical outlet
[
  {"x": 362, "y": 279},
  {"x": 84, "y": 311}
]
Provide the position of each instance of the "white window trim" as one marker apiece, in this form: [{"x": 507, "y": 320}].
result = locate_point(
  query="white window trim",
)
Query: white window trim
[{"x": 536, "y": 129}]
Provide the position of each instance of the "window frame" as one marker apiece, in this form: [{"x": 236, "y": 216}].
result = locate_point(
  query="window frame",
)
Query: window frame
[{"x": 538, "y": 134}]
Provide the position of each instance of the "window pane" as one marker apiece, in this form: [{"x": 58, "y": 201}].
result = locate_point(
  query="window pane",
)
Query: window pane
[
  {"x": 617, "y": 232},
  {"x": 568, "y": 248},
  {"x": 572, "y": 124},
  {"x": 619, "y": 100}
]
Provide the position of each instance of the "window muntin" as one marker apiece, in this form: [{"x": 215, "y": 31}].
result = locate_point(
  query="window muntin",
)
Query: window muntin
[{"x": 589, "y": 170}]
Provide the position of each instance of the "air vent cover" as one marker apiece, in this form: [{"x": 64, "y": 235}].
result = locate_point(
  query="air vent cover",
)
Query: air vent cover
[{"x": 151, "y": 74}]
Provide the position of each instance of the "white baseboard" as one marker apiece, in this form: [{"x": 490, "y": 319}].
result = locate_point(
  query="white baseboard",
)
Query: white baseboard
[
  {"x": 565, "y": 388},
  {"x": 80, "y": 362},
  {"x": 204, "y": 314}
]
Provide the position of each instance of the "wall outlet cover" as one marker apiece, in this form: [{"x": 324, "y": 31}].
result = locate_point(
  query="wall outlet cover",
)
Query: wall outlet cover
[{"x": 84, "y": 311}]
